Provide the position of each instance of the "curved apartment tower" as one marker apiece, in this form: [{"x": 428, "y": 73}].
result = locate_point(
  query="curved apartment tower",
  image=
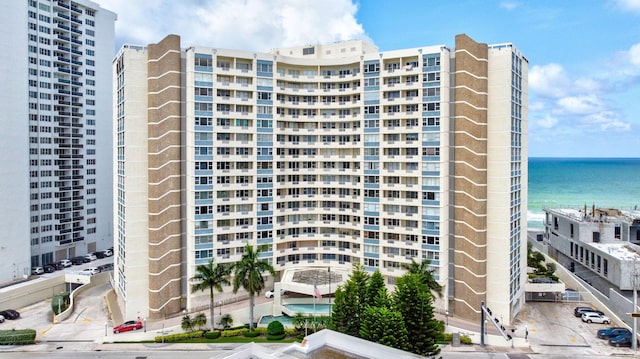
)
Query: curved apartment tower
[{"x": 327, "y": 155}]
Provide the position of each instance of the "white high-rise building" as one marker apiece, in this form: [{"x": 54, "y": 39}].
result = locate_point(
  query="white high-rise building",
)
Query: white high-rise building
[
  {"x": 327, "y": 155},
  {"x": 55, "y": 182}
]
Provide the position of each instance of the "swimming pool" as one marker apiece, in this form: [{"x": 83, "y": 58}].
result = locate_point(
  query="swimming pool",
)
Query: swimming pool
[
  {"x": 322, "y": 309},
  {"x": 285, "y": 320}
]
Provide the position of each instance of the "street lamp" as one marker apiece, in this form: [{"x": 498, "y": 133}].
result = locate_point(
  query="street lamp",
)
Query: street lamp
[
  {"x": 446, "y": 317},
  {"x": 145, "y": 324},
  {"x": 220, "y": 320},
  {"x": 105, "y": 328}
]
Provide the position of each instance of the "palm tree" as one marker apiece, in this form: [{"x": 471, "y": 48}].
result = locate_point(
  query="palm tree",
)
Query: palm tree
[
  {"x": 423, "y": 270},
  {"x": 248, "y": 275},
  {"x": 209, "y": 276}
]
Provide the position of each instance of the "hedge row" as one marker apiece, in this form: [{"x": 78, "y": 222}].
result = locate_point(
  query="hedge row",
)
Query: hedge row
[
  {"x": 17, "y": 337},
  {"x": 179, "y": 336}
]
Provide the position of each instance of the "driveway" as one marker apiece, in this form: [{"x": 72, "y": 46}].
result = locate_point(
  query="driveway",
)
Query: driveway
[{"x": 554, "y": 330}]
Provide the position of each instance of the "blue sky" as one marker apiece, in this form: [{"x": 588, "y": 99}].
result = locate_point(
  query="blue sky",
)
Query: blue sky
[{"x": 584, "y": 56}]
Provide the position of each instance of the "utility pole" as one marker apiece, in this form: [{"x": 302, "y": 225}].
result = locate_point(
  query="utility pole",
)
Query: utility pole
[{"x": 634, "y": 343}]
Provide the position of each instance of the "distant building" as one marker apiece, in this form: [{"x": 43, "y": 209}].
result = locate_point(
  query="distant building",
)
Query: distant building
[
  {"x": 328, "y": 155},
  {"x": 56, "y": 178},
  {"x": 601, "y": 246}
]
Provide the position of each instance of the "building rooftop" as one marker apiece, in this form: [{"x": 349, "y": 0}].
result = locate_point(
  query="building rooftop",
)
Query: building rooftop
[{"x": 594, "y": 214}]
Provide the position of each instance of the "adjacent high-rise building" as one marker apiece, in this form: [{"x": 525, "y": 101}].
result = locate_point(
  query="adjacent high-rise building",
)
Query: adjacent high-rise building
[
  {"x": 326, "y": 155},
  {"x": 55, "y": 182}
]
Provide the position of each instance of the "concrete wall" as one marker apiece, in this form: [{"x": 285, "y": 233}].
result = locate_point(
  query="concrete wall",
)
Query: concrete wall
[{"x": 27, "y": 293}]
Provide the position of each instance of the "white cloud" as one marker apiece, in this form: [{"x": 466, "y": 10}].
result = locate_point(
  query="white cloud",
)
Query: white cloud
[
  {"x": 634, "y": 54},
  {"x": 630, "y": 5},
  {"x": 509, "y": 5},
  {"x": 238, "y": 24},
  {"x": 580, "y": 105},
  {"x": 547, "y": 122},
  {"x": 549, "y": 80},
  {"x": 605, "y": 120}
]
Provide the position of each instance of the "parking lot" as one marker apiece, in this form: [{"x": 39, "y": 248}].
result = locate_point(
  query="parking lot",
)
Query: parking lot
[{"x": 554, "y": 330}]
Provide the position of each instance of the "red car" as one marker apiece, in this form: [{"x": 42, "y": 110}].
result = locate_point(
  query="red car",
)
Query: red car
[{"x": 127, "y": 326}]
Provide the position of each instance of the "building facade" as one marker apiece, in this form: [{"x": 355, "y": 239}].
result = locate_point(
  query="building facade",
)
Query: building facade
[
  {"x": 326, "y": 155},
  {"x": 599, "y": 245},
  {"x": 57, "y": 148}
]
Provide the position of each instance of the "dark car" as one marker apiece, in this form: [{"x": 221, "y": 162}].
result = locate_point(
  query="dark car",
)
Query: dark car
[
  {"x": 99, "y": 255},
  {"x": 621, "y": 340},
  {"x": 577, "y": 311},
  {"x": 127, "y": 326},
  {"x": 105, "y": 267},
  {"x": 10, "y": 314},
  {"x": 613, "y": 332},
  {"x": 49, "y": 268},
  {"x": 80, "y": 260}
]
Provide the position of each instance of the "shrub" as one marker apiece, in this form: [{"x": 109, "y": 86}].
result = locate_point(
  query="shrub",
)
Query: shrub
[
  {"x": 232, "y": 332},
  {"x": 275, "y": 328},
  {"x": 275, "y": 331},
  {"x": 251, "y": 333},
  {"x": 60, "y": 302},
  {"x": 212, "y": 335},
  {"x": 448, "y": 337},
  {"x": 179, "y": 336},
  {"x": 17, "y": 337}
]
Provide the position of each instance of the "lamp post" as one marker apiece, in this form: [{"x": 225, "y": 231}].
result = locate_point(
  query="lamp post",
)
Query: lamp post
[
  {"x": 446, "y": 317},
  {"x": 105, "y": 328},
  {"x": 220, "y": 305},
  {"x": 145, "y": 324}
]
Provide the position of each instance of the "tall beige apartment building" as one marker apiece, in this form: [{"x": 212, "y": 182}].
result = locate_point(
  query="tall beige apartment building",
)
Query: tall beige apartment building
[{"x": 326, "y": 155}]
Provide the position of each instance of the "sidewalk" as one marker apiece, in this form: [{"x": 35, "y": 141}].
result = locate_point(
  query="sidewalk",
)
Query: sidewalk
[{"x": 173, "y": 325}]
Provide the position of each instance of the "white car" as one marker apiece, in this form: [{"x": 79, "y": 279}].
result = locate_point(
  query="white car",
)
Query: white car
[
  {"x": 107, "y": 252},
  {"x": 593, "y": 317},
  {"x": 270, "y": 293},
  {"x": 37, "y": 270},
  {"x": 1, "y": 319},
  {"x": 92, "y": 257},
  {"x": 90, "y": 271}
]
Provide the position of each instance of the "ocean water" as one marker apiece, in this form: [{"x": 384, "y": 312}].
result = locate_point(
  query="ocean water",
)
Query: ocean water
[{"x": 576, "y": 182}]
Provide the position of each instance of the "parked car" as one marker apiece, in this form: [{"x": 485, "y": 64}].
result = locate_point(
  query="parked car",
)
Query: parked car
[
  {"x": 1, "y": 319},
  {"x": 621, "y": 340},
  {"x": 65, "y": 263},
  {"x": 108, "y": 252},
  {"x": 49, "y": 268},
  {"x": 578, "y": 311},
  {"x": 92, "y": 257},
  {"x": 90, "y": 271},
  {"x": 99, "y": 255},
  {"x": 613, "y": 332},
  {"x": 37, "y": 270},
  {"x": 105, "y": 267},
  {"x": 127, "y": 326},
  {"x": 270, "y": 293},
  {"x": 78, "y": 260},
  {"x": 593, "y": 317},
  {"x": 10, "y": 314}
]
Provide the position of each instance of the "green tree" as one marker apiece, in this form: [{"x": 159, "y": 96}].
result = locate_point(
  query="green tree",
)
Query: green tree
[
  {"x": 199, "y": 321},
  {"x": 186, "y": 323},
  {"x": 249, "y": 275},
  {"x": 384, "y": 326},
  {"x": 350, "y": 302},
  {"x": 226, "y": 320},
  {"x": 300, "y": 322},
  {"x": 426, "y": 272},
  {"x": 376, "y": 291},
  {"x": 412, "y": 299},
  {"x": 209, "y": 277}
]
